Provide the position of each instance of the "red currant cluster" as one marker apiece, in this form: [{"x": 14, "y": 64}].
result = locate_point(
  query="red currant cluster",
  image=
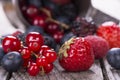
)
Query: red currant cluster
[{"x": 36, "y": 56}]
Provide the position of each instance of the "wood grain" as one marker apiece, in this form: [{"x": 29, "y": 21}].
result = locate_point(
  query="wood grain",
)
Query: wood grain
[{"x": 58, "y": 73}]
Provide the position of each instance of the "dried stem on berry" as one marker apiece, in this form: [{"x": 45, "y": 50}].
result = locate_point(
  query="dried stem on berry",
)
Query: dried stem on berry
[{"x": 65, "y": 47}]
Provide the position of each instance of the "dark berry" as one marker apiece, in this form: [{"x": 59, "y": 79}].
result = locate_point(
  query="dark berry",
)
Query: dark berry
[
  {"x": 49, "y": 41},
  {"x": 12, "y": 61},
  {"x": 113, "y": 57},
  {"x": 66, "y": 37},
  {"x": 35, "y": 29},
  {"x": 1, "y": 53},
  {"x": 37, "y": 3}
]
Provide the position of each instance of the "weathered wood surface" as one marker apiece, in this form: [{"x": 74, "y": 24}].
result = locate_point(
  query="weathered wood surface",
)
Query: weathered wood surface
[
  {"x": 111, "y": 73},
  {"x": 58, "y": 73},
  {"x": 3, "y": 74}
]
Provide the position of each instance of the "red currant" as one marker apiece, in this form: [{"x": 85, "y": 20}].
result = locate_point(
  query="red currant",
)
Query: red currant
[
  {"x": 44, "y": 48},
  {"x": 34, "y": 46},
  {"x": 40, "y": 21},
  {"x": 33, "y": 69},
  {"x": 42, "y": 61},
  {"x": 34, "y": 36},
  {"x": 32, "y": 11},
  {"x": 58, "y": 36},
  {"x": 52, "y": 27},
  {"x": 48, "y": 68},
  {"x": 50, "y": 55},
  {"x": 11, "y": 43},
  {"x": 25, "y": 52}
]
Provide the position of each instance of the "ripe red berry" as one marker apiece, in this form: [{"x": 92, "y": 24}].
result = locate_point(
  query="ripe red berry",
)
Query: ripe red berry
[
  {"x": 48, "y": 68},
  {"x": 32, "y": 11},
  {"x": 44, "y": 48},
  {"x": 50, "y": 55},
  {"x": 111, "y": 32},
  {"x": 76, "y": 55},
  {"x": 52, "y": 27},
  {"x": 42, "y": 61},
  {"x": 39, "y": 21},
  {"x": 11, "y": 43},
  {"x": 25, "y": 52},
  {"x": 34, "y": 36},
  {"x": 33, "y": 69},
  {"x": 58, "y": 36},
  {"x": 34, "y": 46}
]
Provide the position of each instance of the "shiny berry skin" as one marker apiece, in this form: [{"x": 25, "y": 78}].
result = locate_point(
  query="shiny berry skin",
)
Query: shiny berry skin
[
  {"x": 11, "y": 43},
  {"x": 44, "y": 48},
  {"x": 61, "y": 2},
  {"x": 33, "y": 69},
  {"x": 42, "y": 61},
  {"x": 100, "y": 46},
  {"x": 25, "y": 52},
  {"x": 34, "y": 36},
  {"x": 52, "y": 27},
  {"x": 51, "y": 55},
  {"x": 76, "y": 55},
  {"x": 32, "y": 11},
  {"x": 12, "y": 61},
  {"x": 58, "y": 36},
  {"x": 34, "y": 46},
  {"x": 111, "y": 32},
  {"x": 113, "y": 58},
  {"x": 39, "y": 21},
  {"x": 2, "y": 53},
  {"x": 48, "y": 68}
]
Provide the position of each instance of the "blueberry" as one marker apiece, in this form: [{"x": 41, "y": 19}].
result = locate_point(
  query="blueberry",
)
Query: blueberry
[
  {"x": 37, "y": 3},
  {"x": 1, "y": 53},
  {"x": 49, "y": 41},
  {"x": 63, "y": 19},
  {"x": 12, "y": 61},
  {"x": 35, "y": 29},
  {"x": 66, "y": 37},
  {"x": 113, "y": 57}
]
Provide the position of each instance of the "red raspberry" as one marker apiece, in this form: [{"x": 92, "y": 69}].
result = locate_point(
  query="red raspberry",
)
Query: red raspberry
[
  {"x": 111, "y": 32},
  {"x": 100, "y": 46},
  {"x": 76, "y": 55}
]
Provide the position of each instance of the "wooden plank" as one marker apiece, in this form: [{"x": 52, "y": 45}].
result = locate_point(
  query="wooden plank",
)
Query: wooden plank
[
  {"x": 3, "y": 74},
  {"x": 111, "y": 73},
  {"x": 58, "y": 73}
]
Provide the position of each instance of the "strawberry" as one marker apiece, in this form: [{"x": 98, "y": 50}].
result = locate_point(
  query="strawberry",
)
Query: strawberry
[
  {"x": 76, "y": 54},
  {"x": 100, "y": 45},
  {"x": 111, "y": 32}
]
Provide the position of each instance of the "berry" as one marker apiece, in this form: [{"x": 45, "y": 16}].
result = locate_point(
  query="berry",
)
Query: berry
[
  {"x": 83, "y": 27},
  {"x": 66, "y": 37},
  {"x": 34, "y": 29},
  {"x": 76, "y": 55},
  {"x": 34, "y": 46},
  {"x": 11, "y": 43},
  {"x": 2, "y": 53},
  {"x": 48, "y": 68},
  {"x": 39, "y": 21},
  {"x": 43, "y": 49},
  {"x": 32, "y": 11},
  {"x": 113, "y": 57},
  {"x": 100, "y": 46},
  {"x": 61, "y": 2},
  {"x": 37, "y": 3},
  {"x": 12, "y": 61},
  {"x": 111, "y": 32},
  {"x": 33, "y": 69},
  {"x": 58, "y": 36},
  {"x": 51, "y": 55},
  {"x": 49, "y": 41},
  {"x": 42, "y": 61},
  {"x": 35, "y": 37},
  {"x": 25, "y": 52},
  {"x": 52, "y": 27}
]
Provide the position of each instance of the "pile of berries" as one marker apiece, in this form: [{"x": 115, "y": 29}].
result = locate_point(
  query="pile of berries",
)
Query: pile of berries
[{"x": 30, "y": 54}]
